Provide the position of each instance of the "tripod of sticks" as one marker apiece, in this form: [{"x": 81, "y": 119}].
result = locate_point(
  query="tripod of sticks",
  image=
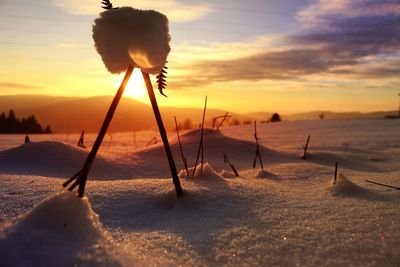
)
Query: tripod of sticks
[{"x": 81, "y": 176}]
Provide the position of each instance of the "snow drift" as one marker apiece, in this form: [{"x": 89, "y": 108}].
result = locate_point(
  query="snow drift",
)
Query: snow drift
[
  {"x": 205, "y": 173},
  {"x": 150, "y": 162},
  {"x": 344, "y": 186},
  {"x": 50, "y": 158},
  {"x": 265, "y": 174},
  {"x": 62, "y": 230},
  {"x": 227, "y": 174},
  {"x": 131, "y": 37}
]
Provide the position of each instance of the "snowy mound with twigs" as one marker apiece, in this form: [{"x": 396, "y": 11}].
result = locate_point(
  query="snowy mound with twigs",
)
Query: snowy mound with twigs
[
  {"x": 62, "y": 230},
  {"x": 344, "y": 186},
  {"x": 240, "y": 153},
  {"x": 51, "y": 158}
]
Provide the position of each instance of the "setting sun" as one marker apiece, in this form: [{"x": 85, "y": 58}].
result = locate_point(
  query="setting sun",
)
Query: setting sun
[{"x": 135, "y": 87}]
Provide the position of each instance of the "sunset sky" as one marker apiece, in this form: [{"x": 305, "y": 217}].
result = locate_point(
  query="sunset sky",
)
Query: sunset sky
[{"x": 256, "y": 55}]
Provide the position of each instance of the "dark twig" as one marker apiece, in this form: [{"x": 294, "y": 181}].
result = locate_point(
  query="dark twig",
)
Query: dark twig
[
  {"x": 152, "y": 141},
  {"x": 305, "y": 147},
  {"x": 163, "y": 134},
  {"x": 201, "y": 147},
  {"x": 81, "y": 142},
  {"x": 223, "y": 117},
  {"x": 258, "y": 153},
  {"x": 180, "y": 147},
  {"x": 81, "y": 176},
  {"x": 390, "y": 186},
  {"x": 335, "y": 178},
  {"x": 226, "y": 160}
]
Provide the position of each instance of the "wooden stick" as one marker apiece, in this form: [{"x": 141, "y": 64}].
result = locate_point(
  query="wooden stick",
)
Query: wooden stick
[
  {"x": 163, "y": 134},
  {"x": 335, "y": 178},
  {"x": 82, "y": 175},
  {"x": 223, "y": 120},
  {"x": 258, "y": 153},
  {"x": 152, "y": 141},
  {"x": 201, "y": 147},
  {"x": 305, "y": 147},
  {"x": 81, "y": 142},
  {"x": 226, "y": 160},
  {"x": 226, "y": 115},
  {"x": 180, "y": 147},
  {"x": 390, "y": 186}
]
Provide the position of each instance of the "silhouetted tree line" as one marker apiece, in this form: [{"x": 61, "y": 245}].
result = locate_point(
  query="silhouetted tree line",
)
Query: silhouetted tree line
[{"x": 12, "y": 125}]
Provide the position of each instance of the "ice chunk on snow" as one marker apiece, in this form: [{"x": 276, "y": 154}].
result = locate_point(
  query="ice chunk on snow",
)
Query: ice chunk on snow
[
  {"x": 207, "y": 173},
  {"x": 62, "y": 230},
  {"x": 344, "y": 186},
  {"x": 127, "y": 36}
]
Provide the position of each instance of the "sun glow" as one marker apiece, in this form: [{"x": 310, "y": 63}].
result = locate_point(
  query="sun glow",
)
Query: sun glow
[{"x": 136, "y": 87}]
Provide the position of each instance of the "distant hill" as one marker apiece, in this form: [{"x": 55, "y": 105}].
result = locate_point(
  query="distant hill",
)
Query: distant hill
[
  {"x": 328, "y": 115},
  {"x": 73, "y": 114}
]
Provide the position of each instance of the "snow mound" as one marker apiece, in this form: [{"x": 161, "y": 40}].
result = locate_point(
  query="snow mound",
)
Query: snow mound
[
  {"x": 62, "y": 230},
  {"x": 56, "y": 159},
  {"x": 227, "y": 174},
  {"x": 265, "y": 174},
  {"x": 344, "y": 186},
  {"x": 240, "y": 153},
  {"x": 207, "y": 173}
]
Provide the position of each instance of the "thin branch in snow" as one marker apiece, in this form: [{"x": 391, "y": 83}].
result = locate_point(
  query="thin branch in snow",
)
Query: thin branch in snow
[
  {"x": 152, "y": 141},
  {"x": 223, "y": 117},
  {"x": 335, "y": 178},
  {"x": 258, "y": 153},
  {"x": 81, "y": 142},
  {"x": 163, "y": 134},
  {"x": 81, "y": 176},
  {"x": 226, "y": 160},
  {"x": 390, "y": 186},
  {"x": 201, "y": 147},
  {"x": 305, "y": 147},
  {"x": 180, "y": 147}
]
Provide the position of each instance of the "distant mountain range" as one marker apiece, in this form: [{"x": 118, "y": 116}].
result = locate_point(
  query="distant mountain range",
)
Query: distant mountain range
[{"x": 73, "y": 114}]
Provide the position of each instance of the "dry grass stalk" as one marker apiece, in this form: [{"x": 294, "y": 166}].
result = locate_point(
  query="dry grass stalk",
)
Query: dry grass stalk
[
  {"x": 226, "y": 160},
  {"x": 305, "y": 147},
  {"x": 258, "y": 153},
  {"x": 181, "y": 149},
  {"x": 201, "y": 146}
]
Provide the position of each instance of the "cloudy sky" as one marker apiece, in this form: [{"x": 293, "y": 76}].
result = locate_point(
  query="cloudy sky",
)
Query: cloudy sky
[{"x": 255, "y": 55}]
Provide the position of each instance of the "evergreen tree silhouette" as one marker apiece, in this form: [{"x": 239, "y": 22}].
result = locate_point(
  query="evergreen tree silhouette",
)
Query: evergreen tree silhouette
[{"x": 12, "y": 125}]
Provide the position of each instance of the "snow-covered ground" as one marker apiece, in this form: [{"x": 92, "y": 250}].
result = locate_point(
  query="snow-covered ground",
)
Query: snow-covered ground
[{"x": 288, "y": 214}]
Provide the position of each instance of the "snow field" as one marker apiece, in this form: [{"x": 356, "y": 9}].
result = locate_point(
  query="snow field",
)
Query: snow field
[{"x": 290, "y": 215}]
